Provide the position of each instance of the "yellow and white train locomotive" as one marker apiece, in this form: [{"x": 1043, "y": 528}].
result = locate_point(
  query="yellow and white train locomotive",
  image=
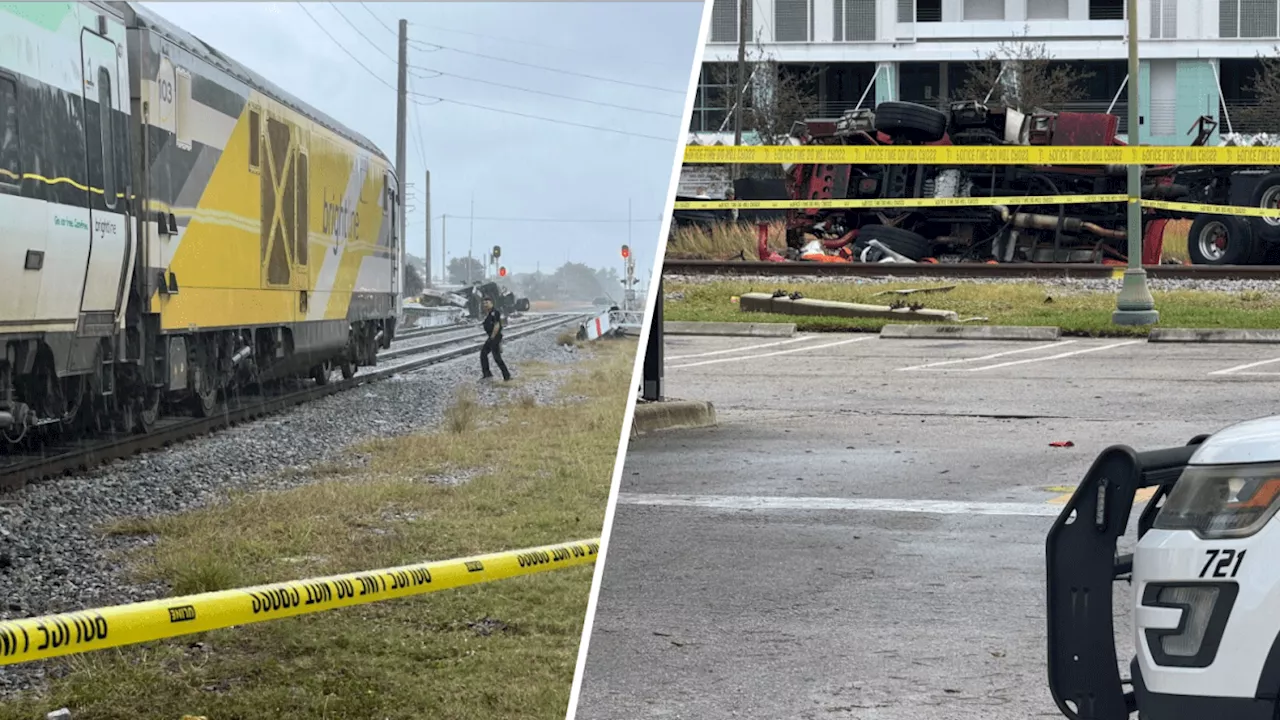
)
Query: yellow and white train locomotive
[{"x": 173, "y": 227}]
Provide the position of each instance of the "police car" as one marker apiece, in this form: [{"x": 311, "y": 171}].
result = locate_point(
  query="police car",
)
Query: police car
[{"x": 1205, "y": 578}]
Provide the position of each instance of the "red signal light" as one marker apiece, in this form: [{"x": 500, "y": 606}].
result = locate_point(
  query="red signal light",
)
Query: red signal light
[
  {"x": 502, "y": 272},
  {"x": 626, "y": 252}
]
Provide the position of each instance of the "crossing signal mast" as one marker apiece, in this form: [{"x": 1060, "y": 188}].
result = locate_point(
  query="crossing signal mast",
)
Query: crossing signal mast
[
  {"x": 629, "y": 295},
  {"x": 494, "y": 255}
]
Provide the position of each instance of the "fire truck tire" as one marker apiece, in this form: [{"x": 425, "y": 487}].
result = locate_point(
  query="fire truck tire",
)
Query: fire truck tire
[
  {"x": 1221, "y": 240},
  {"x": 1267, "y": 195},
  {"x": 920, "y": 123},
  {"x": 903, "y": 242}
]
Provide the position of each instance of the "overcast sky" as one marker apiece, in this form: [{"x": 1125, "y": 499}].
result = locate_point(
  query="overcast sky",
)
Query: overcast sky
[{"x": 517, "y": 167}]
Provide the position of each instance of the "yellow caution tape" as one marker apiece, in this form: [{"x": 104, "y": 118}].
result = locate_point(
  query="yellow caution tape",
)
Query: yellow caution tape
[
  {"x": 980, "y": 155},
  {"x": 897, "y": 202},
  {"x": 1015, "y": 201},
  {"x": 1213, "y": 209},
  {"x": 79, "y": 632}
]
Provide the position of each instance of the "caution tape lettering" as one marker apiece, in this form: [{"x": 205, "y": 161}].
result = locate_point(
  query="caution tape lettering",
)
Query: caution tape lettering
[
  {"x": 475, "y": 566},
  {"x": 183, "y": 613},
  {"x": 67, "y": 630},
  {"x": 275, "y": 600},
  {"x": 981, "y": 155}
]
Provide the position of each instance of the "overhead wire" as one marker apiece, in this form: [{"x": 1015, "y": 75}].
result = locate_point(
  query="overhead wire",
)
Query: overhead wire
[
  {"x": 548, "y": 94},
  {"x": 495, "y": 58}
]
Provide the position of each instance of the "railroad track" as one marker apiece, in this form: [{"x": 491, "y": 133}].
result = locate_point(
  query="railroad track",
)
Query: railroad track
[
  {"x": 673, "y": 266},
  {"x": 17, "y": 470}
]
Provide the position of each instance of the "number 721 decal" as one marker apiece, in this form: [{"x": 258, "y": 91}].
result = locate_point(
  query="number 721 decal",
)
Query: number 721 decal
[{"x": 1224, "y": 563}]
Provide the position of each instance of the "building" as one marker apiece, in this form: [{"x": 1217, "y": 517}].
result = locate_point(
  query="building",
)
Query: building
[{"x": 1197, "y": 56}]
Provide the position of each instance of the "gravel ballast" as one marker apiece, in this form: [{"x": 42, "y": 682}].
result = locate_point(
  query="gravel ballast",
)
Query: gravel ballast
[{"x": 54, "y": 557}]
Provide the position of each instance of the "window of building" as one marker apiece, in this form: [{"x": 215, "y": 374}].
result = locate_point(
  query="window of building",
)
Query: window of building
[
  {"x": 1164, "y": 19},
  {"x": 713, "y": 99},
  {"x": 725, "y": 20},
  {"x": 792, "y": 20},
  {"x": 1248, "y": 18},
  {"x": 1047, "y": 9},
  {"x": 10, "y": 167},
  {"x": 1106, "y": 9},
  {"x": 925, "y": 10},
  {"x": 106, "y": 123},
  {"x": 983, "y": 9},
  {"x": 855, "y": 20}
]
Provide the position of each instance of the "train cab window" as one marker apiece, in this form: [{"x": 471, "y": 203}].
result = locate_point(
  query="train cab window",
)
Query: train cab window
[
  {"x": 9, "y": 166},
  {"x": 106, "y": 123},
  {"x": 182, "y": 113}
]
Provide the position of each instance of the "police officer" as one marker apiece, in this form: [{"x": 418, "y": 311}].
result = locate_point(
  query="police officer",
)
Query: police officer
[{"x": 493, "y": 343}]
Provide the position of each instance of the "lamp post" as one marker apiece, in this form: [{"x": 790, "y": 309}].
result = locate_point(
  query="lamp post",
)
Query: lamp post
[{"x": 1134, "y": 305}]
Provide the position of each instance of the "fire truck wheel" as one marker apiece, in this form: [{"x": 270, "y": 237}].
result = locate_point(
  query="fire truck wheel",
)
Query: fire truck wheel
[
  {"x": 1267, "y": 195},
  {"x": 903, "y": 242},
  {"x": 919, "y": 123},
  {"x": 1220, "y": 240}
]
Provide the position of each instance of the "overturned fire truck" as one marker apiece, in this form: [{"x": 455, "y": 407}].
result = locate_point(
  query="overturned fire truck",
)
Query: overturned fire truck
[{"x": 1032, "y": 231}]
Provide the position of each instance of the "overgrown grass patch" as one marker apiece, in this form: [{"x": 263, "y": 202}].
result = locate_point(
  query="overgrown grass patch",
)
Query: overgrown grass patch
[
  {"x": 1076, "y": 312},
  {"x": 533, "y": 474}
]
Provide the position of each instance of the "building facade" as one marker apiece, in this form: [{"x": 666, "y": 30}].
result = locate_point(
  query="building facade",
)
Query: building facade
[{"x": 1197, "y": 57}]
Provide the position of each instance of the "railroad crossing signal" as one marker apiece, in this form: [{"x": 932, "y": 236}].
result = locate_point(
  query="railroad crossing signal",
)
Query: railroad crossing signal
[
  {"x": 626, "y": 251},
  {"x": 502, "y": 271},
  {"x": 497, "y": 252}
]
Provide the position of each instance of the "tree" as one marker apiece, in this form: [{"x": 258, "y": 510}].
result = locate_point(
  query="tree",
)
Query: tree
[
  {"x": 1265, "y": 87},
  {"x": 1024, "y": 76},
  {"x": 576, "y": 281},
  {"x": 413, "y": 284},
  {"x": 458, "y": 270},
  {"x": 775, "y": 98}
]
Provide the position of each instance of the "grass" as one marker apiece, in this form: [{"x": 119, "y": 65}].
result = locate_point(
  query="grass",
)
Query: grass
[
  {"x": 727, "y": 240},
  {"x": 524, "y": 474},
  {"x": 1077, "y": 313}
]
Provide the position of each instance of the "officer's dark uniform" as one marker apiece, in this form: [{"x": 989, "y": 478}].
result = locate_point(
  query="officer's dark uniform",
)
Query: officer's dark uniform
[{"x": 493, "y": 344}]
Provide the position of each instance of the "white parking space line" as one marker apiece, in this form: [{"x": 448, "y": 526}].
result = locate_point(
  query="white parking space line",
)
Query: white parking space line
[
  {"x": 987, "y": 357},
  {"x": 771, "y": 354},
  {"x": 936, "y": 507},
  {"x": 1237, "y": 369},
  {"x": 1054, "y": 357},
  {"x": 740, "y": 349}
]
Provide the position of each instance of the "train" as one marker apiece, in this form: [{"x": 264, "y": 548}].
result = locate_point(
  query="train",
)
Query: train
[{"x": 175, "y": 229}]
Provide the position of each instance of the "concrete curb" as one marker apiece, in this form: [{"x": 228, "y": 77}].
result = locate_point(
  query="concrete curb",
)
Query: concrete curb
[
  {"x": 1208, "y": 335},
  {"x": 972, "y": 332},
  {"x": 672, "y": 414},
  {"x": 729, "y": 329}
]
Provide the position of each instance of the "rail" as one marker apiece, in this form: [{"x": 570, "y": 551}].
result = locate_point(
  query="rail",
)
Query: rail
[{"x": 80, "y": 457}]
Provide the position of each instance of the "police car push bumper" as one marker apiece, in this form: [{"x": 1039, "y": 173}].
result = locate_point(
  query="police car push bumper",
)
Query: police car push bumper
[{"x": 1206, "y": 596}]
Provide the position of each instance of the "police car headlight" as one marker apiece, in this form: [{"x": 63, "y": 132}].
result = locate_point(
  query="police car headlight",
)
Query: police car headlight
[{"x": 1222, "y": 501}]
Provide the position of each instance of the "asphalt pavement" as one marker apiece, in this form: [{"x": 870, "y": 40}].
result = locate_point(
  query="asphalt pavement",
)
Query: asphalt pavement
[{"x": 862, "y": 536}]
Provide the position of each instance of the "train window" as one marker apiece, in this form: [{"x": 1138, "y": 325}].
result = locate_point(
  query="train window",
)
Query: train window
[
  {"x": 9, "y": 166},
  {"x": 183, "y": 113},
  {"x": 105, "y": 125},
  {"x": 255, "y": 140},
  {"x": 304, "y": 209}
]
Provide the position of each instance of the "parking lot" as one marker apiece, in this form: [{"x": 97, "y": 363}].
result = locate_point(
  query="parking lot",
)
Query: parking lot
[{"x": 863, "y": 534}]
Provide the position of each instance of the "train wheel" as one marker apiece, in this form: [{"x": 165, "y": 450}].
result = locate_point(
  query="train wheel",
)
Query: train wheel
[
  {"x": 320, "y": 373},
  {"x": 1219, "y": 240},
  {"x": 149, "y": 411}
]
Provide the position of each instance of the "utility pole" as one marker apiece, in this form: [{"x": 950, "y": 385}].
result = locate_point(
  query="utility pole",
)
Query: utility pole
[
  {"x": 1134, "y": 305},
  {"x": 427, "y": 203},
  {"x": 744, "y": 7},
  {"x": 444, "y": 250},
  {"x": 402, "y": 110},
  {"x": 471, "y": 243}
]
